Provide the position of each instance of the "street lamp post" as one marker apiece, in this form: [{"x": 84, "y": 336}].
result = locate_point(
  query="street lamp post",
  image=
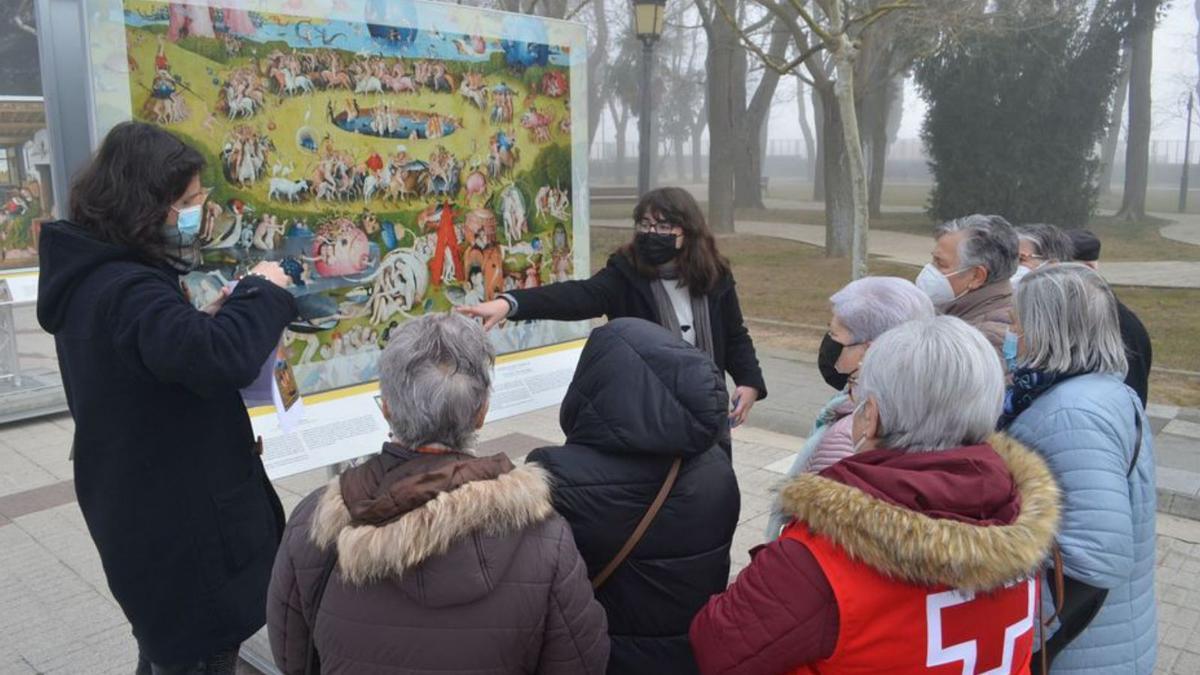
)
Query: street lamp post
[
  {"x": 648, "y": 18},
  {"x": 1187, "y": 153}
]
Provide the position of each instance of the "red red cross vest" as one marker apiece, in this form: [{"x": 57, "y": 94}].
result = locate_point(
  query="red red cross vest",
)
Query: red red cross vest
[{"x": 890, "y": 626}]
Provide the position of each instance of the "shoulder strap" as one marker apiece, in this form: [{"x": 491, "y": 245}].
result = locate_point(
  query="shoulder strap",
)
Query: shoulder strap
[
  {"x": 641, "y": 528},
  {"x": 1137, "y": 443},
  {"x": 312, "y": 662}
]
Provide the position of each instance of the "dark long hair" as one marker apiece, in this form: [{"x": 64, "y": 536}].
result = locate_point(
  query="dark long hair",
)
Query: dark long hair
[
  {"x": 701, "y": 266},
  {"x": 125, "y": 195}
]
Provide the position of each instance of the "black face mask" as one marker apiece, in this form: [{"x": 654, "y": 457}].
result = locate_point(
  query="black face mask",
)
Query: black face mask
[
  {"x": 827, "y": 358},
  {"x": 655, "y": 249}
]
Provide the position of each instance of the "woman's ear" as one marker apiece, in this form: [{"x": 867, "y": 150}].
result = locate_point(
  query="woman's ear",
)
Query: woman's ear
[
  {"x": 481, "y": 416},
  {"x": 870, "y": 413}
]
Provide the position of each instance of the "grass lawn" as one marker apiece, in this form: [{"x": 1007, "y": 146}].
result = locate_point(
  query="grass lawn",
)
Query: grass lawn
[
  {"x": 1159, "y": 199},
  {"x": 1122, "y": 241},
  {"x": 790, "y": 282}
]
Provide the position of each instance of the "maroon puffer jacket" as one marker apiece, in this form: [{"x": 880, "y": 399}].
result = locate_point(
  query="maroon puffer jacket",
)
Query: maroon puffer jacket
[{"x": 446, "y": 563}]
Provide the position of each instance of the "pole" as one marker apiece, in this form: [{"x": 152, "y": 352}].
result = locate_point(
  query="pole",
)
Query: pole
[
  {"x": 644, "y": 145},
  {"x": 1187, "y": 146}
]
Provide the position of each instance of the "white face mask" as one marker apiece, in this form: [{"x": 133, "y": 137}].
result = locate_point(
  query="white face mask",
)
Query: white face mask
[
  {"x": 937, "y": 285},
  {"x": 1019, "y": 275}
]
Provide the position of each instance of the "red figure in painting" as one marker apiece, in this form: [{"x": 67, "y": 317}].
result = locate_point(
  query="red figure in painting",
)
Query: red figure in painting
[{"x": 446, "y": 241}]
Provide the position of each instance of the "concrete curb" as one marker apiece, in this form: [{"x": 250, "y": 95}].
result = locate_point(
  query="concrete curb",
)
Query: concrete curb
[{"x": 1178, "y": 504}]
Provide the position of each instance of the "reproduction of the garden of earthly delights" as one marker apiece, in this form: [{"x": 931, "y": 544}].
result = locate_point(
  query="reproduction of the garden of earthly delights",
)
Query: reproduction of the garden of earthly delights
[{"x": 392, "y": 171}]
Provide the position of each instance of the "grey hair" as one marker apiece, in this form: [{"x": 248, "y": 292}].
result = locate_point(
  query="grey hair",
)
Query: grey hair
[
  {"x": 991, "y": 242},
  {"x": 1049, "y": 241},
  {"x": 937, "y": 382},
  {"x": 871, "y": 306},
  {"x": 1069, "y": 321},
  {"x": 434, "y": 376}
]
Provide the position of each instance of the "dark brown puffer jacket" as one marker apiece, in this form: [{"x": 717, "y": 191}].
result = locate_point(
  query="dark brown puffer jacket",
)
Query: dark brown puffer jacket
[{"x": 446, "y": 563}]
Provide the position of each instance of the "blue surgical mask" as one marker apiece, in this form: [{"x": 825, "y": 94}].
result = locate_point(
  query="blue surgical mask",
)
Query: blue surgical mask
[
  {"x": 188, "y": 222},
  {"x": 1010, "y": 350}
]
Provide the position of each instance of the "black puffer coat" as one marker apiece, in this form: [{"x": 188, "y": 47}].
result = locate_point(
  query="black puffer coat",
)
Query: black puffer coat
[{"x": 640, "y": 398}]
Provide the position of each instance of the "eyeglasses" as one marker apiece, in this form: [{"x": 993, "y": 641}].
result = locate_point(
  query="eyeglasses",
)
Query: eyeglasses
[
  {"x": 660, "y": 227},
  {"x": 1026, "y": 259}
]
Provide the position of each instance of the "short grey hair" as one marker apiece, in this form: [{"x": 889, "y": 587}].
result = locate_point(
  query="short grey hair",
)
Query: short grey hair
[
  {"x": 871, "y": 306},
  {"x": 991, "y": 242},
  {"x": 937, "y": 382},
  {"x": 434, "y": 376},
  {"x": 1050, "y": 243},
  {"x": 1069, "y": 321}
]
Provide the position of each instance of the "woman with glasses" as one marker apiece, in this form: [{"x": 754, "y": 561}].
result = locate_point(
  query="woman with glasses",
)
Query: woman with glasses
[
  {"x": 862, "y": 311},
  {"x": 671, "y": 274},
  {"x": 167, "y": 470},
  {"x": 1038, "y": 244}
]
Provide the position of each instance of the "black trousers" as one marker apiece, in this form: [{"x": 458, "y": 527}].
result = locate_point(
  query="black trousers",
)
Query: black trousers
[{"x": 223, "y": 662}]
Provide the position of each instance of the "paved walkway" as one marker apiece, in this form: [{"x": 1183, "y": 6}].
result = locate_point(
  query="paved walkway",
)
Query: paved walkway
[
  {"x": 59, "y": 617},
  {"x": 1186, "y": 227}
]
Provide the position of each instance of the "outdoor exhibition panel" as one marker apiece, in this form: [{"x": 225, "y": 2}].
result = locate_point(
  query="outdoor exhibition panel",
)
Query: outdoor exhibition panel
[{"x": 397, "y": 158}]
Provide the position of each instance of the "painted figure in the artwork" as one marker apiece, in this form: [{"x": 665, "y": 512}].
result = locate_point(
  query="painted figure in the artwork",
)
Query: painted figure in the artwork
[
  {"x": 443, "y": 267},
  {"x": 400, "y": 148}
]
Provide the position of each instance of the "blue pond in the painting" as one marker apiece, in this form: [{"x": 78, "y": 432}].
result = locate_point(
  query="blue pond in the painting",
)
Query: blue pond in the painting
[{"x": 393, "y": 125}]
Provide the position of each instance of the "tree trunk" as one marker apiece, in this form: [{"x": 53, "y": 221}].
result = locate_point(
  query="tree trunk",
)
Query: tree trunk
[
  {"x": 809, "y": 144},
  {"x": 1137, "y": 151},
  {"x": 843, "y": 89},
  {"x": 697, "y": 151},
  {"x": 622, "y": 128},
  {"x": 763, "y": 139},
  {"x": 839, "y": 206},
  {"x": 680, "y": 139},
  {"x": 820, "y": 126},
  {"x": 1108, "y": 150},
  {"x": 597, "y": 67},
  {"x": 748, "y": 169},
  {"x": 882, "y": 110},
  {"x": 720, "y": 62}
]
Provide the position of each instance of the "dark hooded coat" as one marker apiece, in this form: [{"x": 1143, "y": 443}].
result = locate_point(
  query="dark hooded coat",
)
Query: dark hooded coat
[
  {"x": 166, "y": 469},
  {"x": 639, "y": 399}
]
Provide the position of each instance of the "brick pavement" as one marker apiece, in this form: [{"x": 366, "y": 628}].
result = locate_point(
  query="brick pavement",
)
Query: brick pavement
[{"x": 59, "y": 617}]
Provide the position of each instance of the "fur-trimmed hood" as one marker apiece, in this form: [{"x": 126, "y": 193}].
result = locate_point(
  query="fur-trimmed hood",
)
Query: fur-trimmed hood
[
  {"x": 446, "y": 551},
  {"x": 909, "y": 545}
]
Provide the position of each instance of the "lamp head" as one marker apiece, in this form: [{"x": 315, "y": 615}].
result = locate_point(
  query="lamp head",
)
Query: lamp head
[{"x": 648, "y": 18}]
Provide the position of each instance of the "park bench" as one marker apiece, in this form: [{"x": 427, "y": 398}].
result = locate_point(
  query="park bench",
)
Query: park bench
[{"x": 622, "y": 193}]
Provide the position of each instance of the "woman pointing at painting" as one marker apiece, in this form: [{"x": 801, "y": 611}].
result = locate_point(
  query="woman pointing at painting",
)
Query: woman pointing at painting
[
  {"x": 167, "y": 470},
  {"x": 672, "y": 274}
]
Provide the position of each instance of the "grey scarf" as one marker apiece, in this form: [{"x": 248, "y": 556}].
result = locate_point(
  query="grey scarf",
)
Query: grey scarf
[{"x": 701, "y": 322}]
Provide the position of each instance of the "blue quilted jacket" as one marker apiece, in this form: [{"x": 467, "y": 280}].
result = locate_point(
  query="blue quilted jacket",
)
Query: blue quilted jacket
[{"x": 1084, "y": 428}]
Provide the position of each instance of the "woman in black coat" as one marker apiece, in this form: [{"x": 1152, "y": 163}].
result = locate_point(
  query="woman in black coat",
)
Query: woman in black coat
[
  {"x": 167, "y": 471},
  {"x": 641, "y": 398},
  {"x": 671, "y": 274}
]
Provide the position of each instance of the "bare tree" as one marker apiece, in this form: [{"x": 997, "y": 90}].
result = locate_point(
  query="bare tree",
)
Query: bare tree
[
  {"x": 805, "y": 129},
  {"x": 724, "y": 57},
  {"x": 1108, "y": 150},
  {"x": 828, "y": 41},
  {"x": 1137, "y": 144}
]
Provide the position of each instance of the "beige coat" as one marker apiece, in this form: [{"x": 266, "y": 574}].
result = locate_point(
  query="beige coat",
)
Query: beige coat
[{"x": 987, "y": 309}]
